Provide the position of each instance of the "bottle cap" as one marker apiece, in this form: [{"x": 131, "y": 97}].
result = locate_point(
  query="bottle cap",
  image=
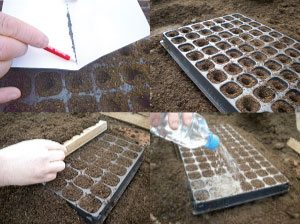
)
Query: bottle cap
[{"x": 213, "y": 142}]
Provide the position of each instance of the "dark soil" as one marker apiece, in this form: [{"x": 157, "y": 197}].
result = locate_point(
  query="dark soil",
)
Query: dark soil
[
  {"x": 272, "y": 65},
  {"x": 257, "y": 184},
  {"x": 100, "y": 190},
  {"x": 223, "y": 45},
  {"x": 231, "y": 90},
  {"x": 110, "y": 179},
  {"x": 282, "y": 107},
  {"x": 83, "y": 181},
  {"x": 264, "y": 94},
  {"x": 293, "y": 97},
  {"x": 205, "y": 65},
  {"x": 261, "y": 73},
  {"x": 289, "y": 76},
  {"x": 247, "y": 62},
  {"x": 269, "y": 51},
  {"x": 177, "y": 206},
  {"x": 72, "y": 193},
  {"x": 283, "y": 59},
  {"x": 37, "y": 204},
  {"x": 210, "y": 50},
  {"x": 269, "y": 181},
  {"x": 220, "y": 59},
  {"x": 234, "y": 53},
  {"x": 194, "y": 56},
  {"x": 247, "y": 80},
  {"x": 233, "y": 69},
  {"x": 90, "y": 203},
  {"x": 216, "y": 76},
  {"x": 248, "y": 104}
]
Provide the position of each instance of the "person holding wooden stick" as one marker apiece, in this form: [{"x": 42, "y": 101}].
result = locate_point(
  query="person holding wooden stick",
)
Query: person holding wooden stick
[{"x": 31, "y": 162}]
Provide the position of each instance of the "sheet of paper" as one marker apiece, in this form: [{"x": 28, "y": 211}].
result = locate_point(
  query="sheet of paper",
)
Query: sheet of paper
[
  {"x": 51, "y": 18},
  {"x": 99, "y": 27}
]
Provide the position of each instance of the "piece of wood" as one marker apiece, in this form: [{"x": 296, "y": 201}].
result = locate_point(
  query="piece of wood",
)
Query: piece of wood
[
  {"x": 87, "y": 135},
  {"x": 294, "y": 144},
  {"x": 298, "y": 121},
  {"x": 141, "y": 120}
]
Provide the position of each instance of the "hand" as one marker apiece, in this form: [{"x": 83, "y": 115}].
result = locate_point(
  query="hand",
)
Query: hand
[
  {"x": 173, "y": 119},
  {"x": 31, "y": 162},
  {"x": 15, "y": 36}
]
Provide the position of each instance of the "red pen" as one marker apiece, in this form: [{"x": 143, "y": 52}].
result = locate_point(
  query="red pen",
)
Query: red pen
[{"x": 59, "y": 53}]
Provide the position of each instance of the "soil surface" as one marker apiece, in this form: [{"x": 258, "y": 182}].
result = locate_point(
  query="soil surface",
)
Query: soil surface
[
  {"x": 36, "y": 204},
  {"x": 170, "y": 201},
  {"x": 171, "y": 89}
]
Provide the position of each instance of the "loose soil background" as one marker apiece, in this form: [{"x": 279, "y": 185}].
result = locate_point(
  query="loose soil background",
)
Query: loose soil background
[
  {"x": 171, "y": 89},
  {"x": 170, "y": 200},
  {"x": 36, "y": 204}
]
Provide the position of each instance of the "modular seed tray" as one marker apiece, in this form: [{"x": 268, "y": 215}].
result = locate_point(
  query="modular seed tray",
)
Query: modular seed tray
[
  {"x": 245, "y": 175},
  {"x": 97, "y": 175},
  {"x": 239, "y": 64}
]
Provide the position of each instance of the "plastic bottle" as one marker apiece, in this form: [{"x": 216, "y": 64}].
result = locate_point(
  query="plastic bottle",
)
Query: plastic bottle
[{"x": 194, "y": 136}]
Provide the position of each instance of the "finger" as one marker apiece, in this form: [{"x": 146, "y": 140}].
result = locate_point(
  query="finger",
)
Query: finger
[
  {"x": 56, "y": 155},
  {"x": 8, "y": 94},
  {"x": 50, "y": 177},
  {"x": 154, "y": 119},
  {"x": 15, "y": 28},
  {"x": 52, "y": 145},
  {"x": 11, "y": 48},
  {"x": 187, "y": 118},
  {"x": 57, "y": 166},
  {"x": 173, "y": 120},
  {"x": 4, "y": 67}
]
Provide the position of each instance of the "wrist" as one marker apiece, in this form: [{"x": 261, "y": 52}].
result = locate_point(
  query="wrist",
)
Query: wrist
[{"x": 3, "y": 167}]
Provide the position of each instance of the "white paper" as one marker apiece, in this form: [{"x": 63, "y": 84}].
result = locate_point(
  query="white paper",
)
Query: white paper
[{"x": 99, "y": 27}]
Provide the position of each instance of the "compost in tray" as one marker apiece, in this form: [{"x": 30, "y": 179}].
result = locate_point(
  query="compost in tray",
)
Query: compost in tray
[
  {"x": 97, "y": 174},
  {"x": 239, "y": 64},
  {"x": 233, "y": 174}
]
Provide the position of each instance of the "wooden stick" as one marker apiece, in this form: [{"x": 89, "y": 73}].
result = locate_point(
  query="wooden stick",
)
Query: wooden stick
[
  {"x": 141, "y": 119},
  {"x": 294, "y": 144},
  {"x": 87, "y": 135}
]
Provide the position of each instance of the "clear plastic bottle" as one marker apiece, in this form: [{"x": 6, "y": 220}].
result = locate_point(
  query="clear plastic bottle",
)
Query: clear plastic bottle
[{"x": 194, "y": 136}]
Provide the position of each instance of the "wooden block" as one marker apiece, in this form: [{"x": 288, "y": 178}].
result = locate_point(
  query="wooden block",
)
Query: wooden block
[
  {"x": 141, "y": 120},
  {"x": 294, "y": 144},
  {"x": 87, "y": 135}
]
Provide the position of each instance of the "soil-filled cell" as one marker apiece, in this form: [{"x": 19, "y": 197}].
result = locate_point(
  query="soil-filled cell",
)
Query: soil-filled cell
[
  {"x": 269, "y": 181},
  {"x": 204, "y": 166},
  {"x": 272, "y": 170},
  {"x": 172, "y": 34},
  {"x": 94, "y": 171},
  {"x": 187, "y": 154},
  {"x": 51, "y": 105},
  {"x": 205, "y": 65},
  {"x": 261, "y": 173},
  {"x": 235, "y": 41},
  {"x": 207, "y": 173},
  {"x": 201, "y": 42},
  {"x": 219, "y": 20},
  {"x": 247, "y": 62},
  {"x": 246, "y": 186},
  {"x": 118, "y": 170},
  {"x": 257, "y": 184},
  {"x": 264, "y": 29},
  {"x": 273, "y": 65},
  {"x": 269, "y": 51},
  {"x": 210, "y": 50},
  {"x": 78, "y": 164},
  {"x": 72, "y": 193},
  {"x": 275, "y": 34},
  {"x": 233, "y": 69},
  {"x": 257, "y": 43},
  {"x": 209, "y": 23},
  {"x": 122, "y": 143},
  {"x": 283, "y": 59},
  {"x": 217, "y": 29},
  {"x": 225, "y": 35},
  {"x": 266, "y": 38},
  {"x": 192, "y": 36},
  {"x": 110, "y": 179},
  {"x": 100, "y": 190},
  {"x": 296, "y": 67},
  {"x": 198, "y": 152},
  {"x": 178, "y": 40},
  {"x": 205, "y": 32},
  {"x": 220, "y": 59},
  {"x": 185, "y": 30},
  {"x": 244, "y": 167},
  {"x": 82, "y": 104},
  {"x": 216, "y": 76},
  {"x": 248, "y": 104},
  {"x": 227, "y": 25},
  {"x": 197, "y": 26},
  {"x": 129, "y": 154},
  {"x": 48, "y": 84},
  {"x": 278, "y": 45},
  {"x": 293, "y": 97},
  {"x": 281, "y": 106},
  {"x": 124, "y": 161},
  {"x": 90, "y": 203},
  {"x": 280, "y": 178},
  {"x": 116, "y": 149},
  {"x": 289, "y": 76},
  {"x": 287, "y": 40},
  {"x": 236, "y": 31},
  {"x": 80, "y": 81},
  {"x": 223, "y": 45},
  {"x": 255, "y": 32},
  {"x": 228, "y": 18},
  {"x": 264, "y": 94},
  {"x": 186, "y": 47},
  {"x": 189, "y": 160},
  {"x": 297, "y": 46},
  {"x": 246, "y": 27},
  {"x": 234, "y": 53},
  {"x": 57, "y": 184},
  {"x": 237, "y": 22},
  {"x": 231, "y": 90},
  {"x": 194, "y": 175},
  {"x": 194, "y": 56},
  {"x": 116, "y": 101},
  {"x": 135, "y": 148},
  {"x": 191, "y": 167},
  {"x": 198, "y": 184},
  {"x": 246, "y": 37},
  {"x": 213, "y": 38},
  {"x": 201, "y": 195},
  {"x": 83, "y": 181},
  {"x": 246, "y": 20},
  {"x": 68, "y": 173},
  {"x": 261, "y": 73},
  {"x": 246, "y": 48},
  {"x": 247, "y": 80}
]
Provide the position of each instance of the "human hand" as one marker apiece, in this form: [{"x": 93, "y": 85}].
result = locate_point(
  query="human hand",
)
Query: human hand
[
  {"x": 31, "y": 162},
  {"x": 173, "y": 119},
  {"x": 15, "y": 36}
]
